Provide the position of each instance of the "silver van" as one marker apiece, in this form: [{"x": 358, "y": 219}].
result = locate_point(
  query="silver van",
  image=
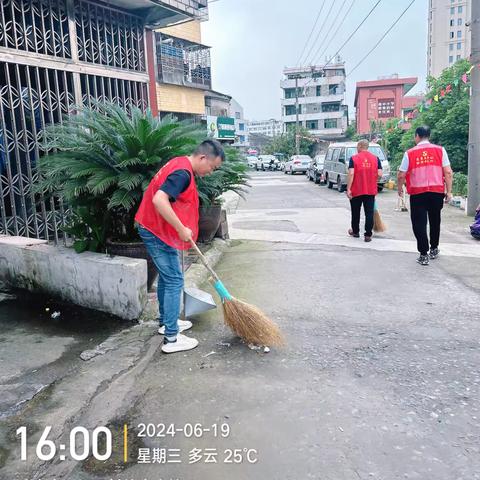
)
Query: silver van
[{"x": 338, "y": 157}]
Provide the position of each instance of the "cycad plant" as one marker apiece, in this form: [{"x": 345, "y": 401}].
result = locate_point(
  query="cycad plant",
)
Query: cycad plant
[{"x": 101, "y": 160}]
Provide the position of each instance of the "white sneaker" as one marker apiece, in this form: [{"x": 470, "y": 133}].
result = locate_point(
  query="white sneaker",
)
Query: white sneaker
[
  {"x": 182, "y": 344},
  {"x": 182, "y": 326}
]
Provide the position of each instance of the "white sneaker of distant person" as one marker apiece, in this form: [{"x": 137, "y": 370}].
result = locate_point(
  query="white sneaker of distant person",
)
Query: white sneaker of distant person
[
  {"x": 182, "y": 326},
  {"x": 181, "y": 344}
]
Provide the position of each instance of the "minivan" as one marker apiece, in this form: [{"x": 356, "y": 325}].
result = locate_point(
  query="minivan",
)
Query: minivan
[{"x": 338, "y": 157}]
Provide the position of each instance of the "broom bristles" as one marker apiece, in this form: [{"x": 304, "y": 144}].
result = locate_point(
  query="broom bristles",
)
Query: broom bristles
[
  {"x": 378, "y": 225},
  {"x": 251, "y": 324}
]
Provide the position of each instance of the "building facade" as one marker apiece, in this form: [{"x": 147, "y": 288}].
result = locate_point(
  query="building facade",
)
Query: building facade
[
  {"x": 241, "y": 130},
  {"x": 449, "y": 39},
  {"x": 270, "y": 128},
  {"x": 321, "y": 99},
  {"x": 382, "y": 99},
  {"x": 220, "y": 124},
  {"x": 54, "y": 56},
  {"x": 183, "y": 71}
]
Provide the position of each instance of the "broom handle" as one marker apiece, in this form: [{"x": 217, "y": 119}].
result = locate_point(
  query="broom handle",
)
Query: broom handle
[{"x": 204, "y": 260}]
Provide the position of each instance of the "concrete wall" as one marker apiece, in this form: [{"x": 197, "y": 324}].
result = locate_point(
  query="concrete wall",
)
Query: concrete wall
[
  {"x": 188, "y": 30},
  {"x": 116, "y": 285}
]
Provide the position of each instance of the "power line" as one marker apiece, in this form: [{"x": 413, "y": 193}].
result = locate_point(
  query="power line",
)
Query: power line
[
  {"x": 348, "y": 39},
  {"x": 311, "y": 32},
  {"x": 320, "y": 31},
  {"x": 328, "y": 33},
  {"x": 381, "y": 38},
  {"x": 354, "y": 32},
  {"x": 336, "y": 31}
]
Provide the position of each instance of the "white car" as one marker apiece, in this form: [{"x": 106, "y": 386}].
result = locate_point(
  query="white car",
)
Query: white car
[
  {"x": 267, "y": 162},
  {"x": 297, "y": 163},
  {"x": 252, "y": 161}
]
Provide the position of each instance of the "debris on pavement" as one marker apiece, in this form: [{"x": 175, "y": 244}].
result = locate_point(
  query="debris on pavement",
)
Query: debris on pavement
[
  {"x": 55, "y": 314},
  {"x": 208, "y": 354}
]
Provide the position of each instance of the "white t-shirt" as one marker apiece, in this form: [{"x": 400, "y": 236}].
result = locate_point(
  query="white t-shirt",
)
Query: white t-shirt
[{"x": 404, "y": 165}]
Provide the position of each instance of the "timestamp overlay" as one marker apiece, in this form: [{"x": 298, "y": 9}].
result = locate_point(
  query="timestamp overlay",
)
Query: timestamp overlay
[{"x": 148, "y": 450}]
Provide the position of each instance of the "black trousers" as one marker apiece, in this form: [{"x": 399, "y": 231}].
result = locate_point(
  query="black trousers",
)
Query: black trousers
[
  {"x": 426, "y": 207},
  {"x": 368, "y": 202}
]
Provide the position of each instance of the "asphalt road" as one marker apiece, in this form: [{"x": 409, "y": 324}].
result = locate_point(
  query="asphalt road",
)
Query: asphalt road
[{"x": 379, "y": 379}]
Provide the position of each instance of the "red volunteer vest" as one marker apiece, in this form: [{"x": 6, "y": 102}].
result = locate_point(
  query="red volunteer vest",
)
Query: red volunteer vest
[
  {"x": 425, "y": 171},
  {"x": 185, "y": 206},
  {"x": 365, "y": 167}
]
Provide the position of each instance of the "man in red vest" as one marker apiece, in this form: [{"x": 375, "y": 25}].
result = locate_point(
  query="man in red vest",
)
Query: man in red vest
[
  {"x": 426, "y": 170},
  {"x": 364, "y": 170},
  {"x": 167, "y": 221}
]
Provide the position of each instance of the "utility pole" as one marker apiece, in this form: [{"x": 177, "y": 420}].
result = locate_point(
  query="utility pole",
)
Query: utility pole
[
  {"x": 474, "y": 122},
  {"x": 297, "y": 126}
]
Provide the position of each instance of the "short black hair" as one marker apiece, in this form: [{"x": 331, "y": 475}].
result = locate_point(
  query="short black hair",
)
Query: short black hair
[
  {"x": 423, "y": 131},
  {"x": 211, "y": 148}
]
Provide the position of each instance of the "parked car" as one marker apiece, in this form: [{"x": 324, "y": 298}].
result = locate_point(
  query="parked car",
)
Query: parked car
[
  {"x": 338, "y": 157},
  {"x": 252, "y": 161},
  {"x": 267, "y": 162},
  {"x": 297, "y": 163},
  {"x": 315, "y": 169}
]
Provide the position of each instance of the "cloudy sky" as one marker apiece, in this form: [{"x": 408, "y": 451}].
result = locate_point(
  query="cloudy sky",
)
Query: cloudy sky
[{"x": 253, "y": 40}]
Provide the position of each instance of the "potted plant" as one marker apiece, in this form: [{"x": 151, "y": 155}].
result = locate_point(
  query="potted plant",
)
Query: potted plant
[
  {"x": 100, "y": 161},
  {"x": 230, "y": 176}
]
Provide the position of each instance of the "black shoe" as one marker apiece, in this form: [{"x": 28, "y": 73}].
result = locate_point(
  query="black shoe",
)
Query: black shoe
[
  {"x": 352, "y": 234},
  {"x": 368, "y": 238},
  {"x": 434, "y": 252},
  {"x": 423, "y": 260}
]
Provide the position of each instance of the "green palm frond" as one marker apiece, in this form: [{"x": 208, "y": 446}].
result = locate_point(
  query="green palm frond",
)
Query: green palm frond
[{"x": 102, "y": 159}]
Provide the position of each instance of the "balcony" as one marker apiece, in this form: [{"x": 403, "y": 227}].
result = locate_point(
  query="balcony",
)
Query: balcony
[
  {"x": 181, "y": 62},
  {"x": 313, "y": 116},
  {"x": 302, "y": 82},
  {"x": 320, "y": 99},
  {"x": 162, "y": 13}
]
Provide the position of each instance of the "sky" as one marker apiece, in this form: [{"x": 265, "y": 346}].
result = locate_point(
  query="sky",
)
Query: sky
[{"x": 253, "y": 40}]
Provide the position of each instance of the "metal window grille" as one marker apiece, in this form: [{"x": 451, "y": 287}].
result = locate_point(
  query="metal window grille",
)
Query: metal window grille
[
  {"x": 30, "y": 98},
  {"x": 43, "y": 77},
  {"x": 125, "y": 93},
  {"x": 39, "y": 27},
  {"x": 182, "y": 62},
  {"x": 107, "y": 36}
]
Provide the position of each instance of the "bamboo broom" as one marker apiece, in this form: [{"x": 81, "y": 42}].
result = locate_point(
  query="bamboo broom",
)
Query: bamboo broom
[
  {"x": 246, "y": 320},
  {"x": 378, "y": 225}
]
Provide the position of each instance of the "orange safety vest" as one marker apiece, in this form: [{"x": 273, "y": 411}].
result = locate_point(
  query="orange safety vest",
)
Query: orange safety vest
[
  {"x": 186, "y": 206},
  {"x": 365, "y": 168},
  {"x": 425, "y": 171}
]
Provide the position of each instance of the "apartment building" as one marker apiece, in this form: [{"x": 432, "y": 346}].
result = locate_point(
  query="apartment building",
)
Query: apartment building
[
  {"x": 321, "y": 99},
  {"x": 269, "y": 128},
  {"x": 449, "y": 38}
]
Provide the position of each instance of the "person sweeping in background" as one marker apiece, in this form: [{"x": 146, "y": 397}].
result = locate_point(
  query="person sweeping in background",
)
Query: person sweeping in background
[
  {"x": 167, "y": 222},
  {"x": 364, "y": 170}
]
